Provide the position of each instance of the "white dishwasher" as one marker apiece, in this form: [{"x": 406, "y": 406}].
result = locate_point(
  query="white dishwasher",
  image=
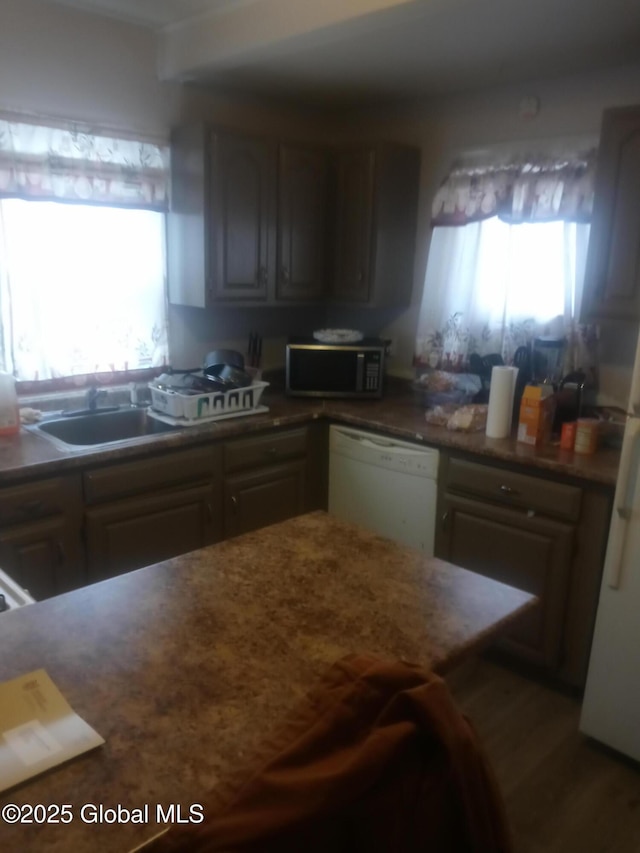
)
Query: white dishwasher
[
  {"x": 12, "y": 595},
  {"x": 383, "y": 484}
]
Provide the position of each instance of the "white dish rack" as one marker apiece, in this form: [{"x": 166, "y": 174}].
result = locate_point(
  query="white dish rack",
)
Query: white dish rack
[{"x": 209, "y": 406}]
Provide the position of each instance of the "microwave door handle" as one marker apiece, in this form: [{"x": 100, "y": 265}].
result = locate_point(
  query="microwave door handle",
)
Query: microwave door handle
[
  {"x": 629, "y": 465},
  {"x": 360, "y": 371}
]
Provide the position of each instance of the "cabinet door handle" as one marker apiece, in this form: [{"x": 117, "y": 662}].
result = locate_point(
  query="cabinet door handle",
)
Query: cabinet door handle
[
  {"x": 284, "y": 274},
  {"x": 262, "y": 276},
  {"x": 507, "y": 490},
  {"x": 445, "y": 518},
  {"x": 209, "y": 511},
  {"x": 234, "y": 502}
]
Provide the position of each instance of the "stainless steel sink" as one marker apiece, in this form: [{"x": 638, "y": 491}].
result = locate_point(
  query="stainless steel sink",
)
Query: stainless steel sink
[{"x": 102, "y": 427}]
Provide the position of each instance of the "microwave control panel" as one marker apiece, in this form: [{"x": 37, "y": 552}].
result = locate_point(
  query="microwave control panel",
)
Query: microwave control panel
[{"x": 372, "y": 372}]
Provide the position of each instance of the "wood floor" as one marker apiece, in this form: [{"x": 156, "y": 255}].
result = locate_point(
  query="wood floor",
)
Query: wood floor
[{"x": 563, "y": 792}]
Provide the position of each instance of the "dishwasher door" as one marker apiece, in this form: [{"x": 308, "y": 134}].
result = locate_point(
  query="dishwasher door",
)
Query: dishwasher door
[
  {"x": 12, "y": 595},
  {"x": 386, "y": 485}
]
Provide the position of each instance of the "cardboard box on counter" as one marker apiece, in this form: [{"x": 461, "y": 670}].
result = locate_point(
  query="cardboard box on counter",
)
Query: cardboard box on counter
[{"x": 537, "y": 409}]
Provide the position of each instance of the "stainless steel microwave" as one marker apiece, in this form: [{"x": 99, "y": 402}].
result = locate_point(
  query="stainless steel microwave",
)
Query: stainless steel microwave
[{"x": 315, "y": 369}]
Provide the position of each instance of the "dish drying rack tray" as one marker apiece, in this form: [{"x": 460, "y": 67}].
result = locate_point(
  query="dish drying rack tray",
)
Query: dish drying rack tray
[
  {"x": 213, "y": 405},
  {"x": 167, "y": 419}
]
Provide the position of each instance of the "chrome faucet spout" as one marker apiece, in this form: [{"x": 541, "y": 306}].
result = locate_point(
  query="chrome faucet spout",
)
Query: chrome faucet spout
[{"x": 93, "y": 396}]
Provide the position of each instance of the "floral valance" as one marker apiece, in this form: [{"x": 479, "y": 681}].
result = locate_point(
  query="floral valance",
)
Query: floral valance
[
  {"x": 71, "y": 164},
  {"x": 530, "y": 190}
]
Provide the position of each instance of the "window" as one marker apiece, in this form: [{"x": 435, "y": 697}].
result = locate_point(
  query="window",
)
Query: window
[
  {"x": 82, "y": 262},
  {"x": 506, "y": 262},
  {"x": 83, "y": 289},
  {"x": 491, "y": 286}
]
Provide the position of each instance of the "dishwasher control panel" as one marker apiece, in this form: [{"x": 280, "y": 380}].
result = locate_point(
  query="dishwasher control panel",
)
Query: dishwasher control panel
[{"x": 390, "y": 453}]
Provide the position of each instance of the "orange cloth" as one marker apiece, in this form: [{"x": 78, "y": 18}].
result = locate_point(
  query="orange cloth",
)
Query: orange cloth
[{"x": 377, "y": 758}]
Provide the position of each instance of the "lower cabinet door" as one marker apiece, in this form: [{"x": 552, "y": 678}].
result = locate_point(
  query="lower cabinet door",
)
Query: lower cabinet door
[
  {"x": 44, "y": 557},
  {"x": 136, "y": 532},
  {"x": 258, "y": 498},
  {"x": 519, "y": 549}
]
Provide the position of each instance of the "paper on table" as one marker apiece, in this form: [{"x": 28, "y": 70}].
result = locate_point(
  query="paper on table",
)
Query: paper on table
[{"x": 38, "y": 728}]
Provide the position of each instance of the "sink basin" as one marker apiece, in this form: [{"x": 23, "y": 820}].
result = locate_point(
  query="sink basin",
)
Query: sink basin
[{"x": 102, "y": 428}]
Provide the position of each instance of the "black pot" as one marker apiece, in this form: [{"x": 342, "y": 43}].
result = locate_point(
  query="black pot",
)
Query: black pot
[
  {"x": 219, "y": 357},
  {"x": 194, "y": 380},
  {"x": 223, "y": 370},
  {"x": 233, "y": 377}
]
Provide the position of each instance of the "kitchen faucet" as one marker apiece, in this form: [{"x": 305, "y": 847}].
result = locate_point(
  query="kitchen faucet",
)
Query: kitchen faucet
[{"x": 92, "y": 397}]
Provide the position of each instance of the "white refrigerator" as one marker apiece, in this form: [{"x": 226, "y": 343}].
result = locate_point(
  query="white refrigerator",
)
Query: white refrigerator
[{"x": 611, "y": 708}]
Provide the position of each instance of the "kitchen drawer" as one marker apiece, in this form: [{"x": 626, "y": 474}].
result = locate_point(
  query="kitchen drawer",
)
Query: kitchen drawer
[
  {"x": 29, "y": 501},
  {"x": 557, "y": 500},
  {"x": 265, "y": 449},
  {"x": 146, "y": 475}
]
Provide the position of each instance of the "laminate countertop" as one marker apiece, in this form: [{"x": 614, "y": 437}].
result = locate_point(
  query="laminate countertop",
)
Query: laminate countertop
[
  {"x": 185, "y": 667},
  {"x": 399, "y": 413}
]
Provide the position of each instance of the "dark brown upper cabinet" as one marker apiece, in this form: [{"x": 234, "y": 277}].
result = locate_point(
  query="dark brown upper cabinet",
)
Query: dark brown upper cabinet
[
  {"x": 255, "y": 221},
  {"x": 612, "y": 278},
  {"x": 375, "y": 192},
  {"x": 240, "y": 235},
  {"x": 221, "y": 230},
  {"x": 248, "y": 219},
  {"x": 302, "y": 223}
]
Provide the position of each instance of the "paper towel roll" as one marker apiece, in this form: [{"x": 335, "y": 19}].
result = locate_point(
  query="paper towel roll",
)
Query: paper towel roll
[{"x": 500, "y": 412}]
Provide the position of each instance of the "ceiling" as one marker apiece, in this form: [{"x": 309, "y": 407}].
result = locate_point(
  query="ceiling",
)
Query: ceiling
[{"x": 363, "y": 50}]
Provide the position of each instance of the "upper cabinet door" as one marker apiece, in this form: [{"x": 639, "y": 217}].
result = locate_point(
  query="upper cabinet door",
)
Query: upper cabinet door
[
  {"x": 353, "y": 224},
  {"x": 302, "y": 212},
  {"x": 612, "y": 279},
  {"x": 376, "y": 202},
  {"x": 241, "y": 194}
]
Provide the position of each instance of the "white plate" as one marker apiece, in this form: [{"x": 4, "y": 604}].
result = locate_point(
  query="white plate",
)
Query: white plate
[{"x": 338, "y": 336}]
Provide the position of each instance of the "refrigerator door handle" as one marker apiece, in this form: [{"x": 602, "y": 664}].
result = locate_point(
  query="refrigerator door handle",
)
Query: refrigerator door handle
[{"x": 629, "y": 467}]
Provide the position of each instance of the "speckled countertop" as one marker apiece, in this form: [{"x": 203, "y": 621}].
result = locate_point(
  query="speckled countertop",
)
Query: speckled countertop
[
  {"x": 398, "y": 413},
  {"x": 185, "y": 666}
]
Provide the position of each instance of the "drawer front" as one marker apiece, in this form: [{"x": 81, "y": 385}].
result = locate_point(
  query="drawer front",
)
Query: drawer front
[
  {"x": 29, "y": 501},
  {"x": 550, "y": 498},
  {"x": 158, "y": 472},
  {"x": 265, "y": 449}
]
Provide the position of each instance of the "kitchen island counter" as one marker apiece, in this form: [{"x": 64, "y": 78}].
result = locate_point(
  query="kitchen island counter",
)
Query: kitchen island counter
[{"x": 185, "y": 666}]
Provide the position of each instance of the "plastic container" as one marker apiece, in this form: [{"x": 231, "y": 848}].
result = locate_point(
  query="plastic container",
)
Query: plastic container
[
  {"x": 568, "y": 435},
  {"x": 195, "y": 406},
  {"x": 586, "y": 435},
  {"x": 9, "y": 411}
]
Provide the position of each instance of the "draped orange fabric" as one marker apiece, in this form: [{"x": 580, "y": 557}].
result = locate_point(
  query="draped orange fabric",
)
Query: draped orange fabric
[{"x": 376, "y": 758}]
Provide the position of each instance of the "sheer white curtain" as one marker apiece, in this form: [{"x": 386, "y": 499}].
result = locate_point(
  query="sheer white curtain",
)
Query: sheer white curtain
[
  {"x": 83, "y": 289},
  {"x": 507, "y": 258},
  {"x": 82, "y": 255},
  {"x": 491, "y": 287}
]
